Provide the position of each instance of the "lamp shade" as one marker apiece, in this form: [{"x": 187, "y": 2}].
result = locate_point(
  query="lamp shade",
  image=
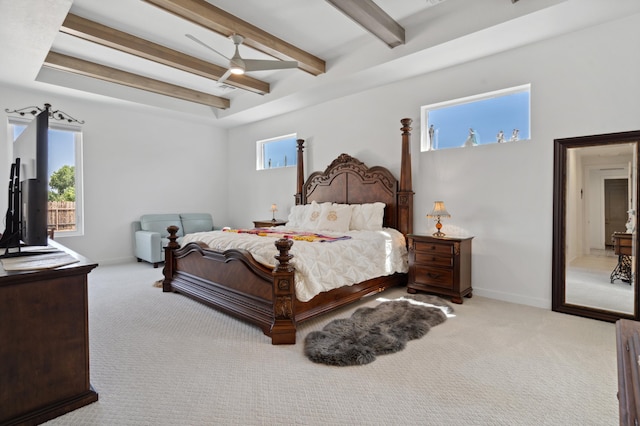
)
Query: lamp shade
[{"x": 439, "y": 210}]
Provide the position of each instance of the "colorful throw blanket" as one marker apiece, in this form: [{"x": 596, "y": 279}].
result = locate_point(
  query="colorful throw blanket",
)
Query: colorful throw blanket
[{"x": 291, "y": 235}]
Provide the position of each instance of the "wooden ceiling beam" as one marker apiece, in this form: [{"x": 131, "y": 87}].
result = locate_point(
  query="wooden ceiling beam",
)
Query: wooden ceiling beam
[
  {"x": 208, "y": 16},
  {"x": 124, "y": 42},
  {"x": 375, "y": 20},
  {"x": 102, "y": 72}
]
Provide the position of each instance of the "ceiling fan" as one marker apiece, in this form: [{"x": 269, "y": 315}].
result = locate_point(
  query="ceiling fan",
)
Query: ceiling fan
[{"x": 237, "y": 65}]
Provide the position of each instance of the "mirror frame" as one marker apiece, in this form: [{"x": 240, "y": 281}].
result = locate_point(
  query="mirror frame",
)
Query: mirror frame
[{"x": 558, "y": 302}]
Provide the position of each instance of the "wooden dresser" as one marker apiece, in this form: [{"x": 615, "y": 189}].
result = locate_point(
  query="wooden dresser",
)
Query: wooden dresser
[
  {"x": 440, "y": 265},
  {"x": 44, "y": 342},
  {"x": 628, "y": 353}
]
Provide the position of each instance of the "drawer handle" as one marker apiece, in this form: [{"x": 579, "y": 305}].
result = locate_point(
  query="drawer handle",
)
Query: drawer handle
[{"x": 432, "y": 275}]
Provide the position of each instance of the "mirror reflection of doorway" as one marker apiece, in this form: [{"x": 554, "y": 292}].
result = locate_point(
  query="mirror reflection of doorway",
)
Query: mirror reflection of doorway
[
  {"x": 615, "y": 207},
  {"x": 598, "y": 198}
]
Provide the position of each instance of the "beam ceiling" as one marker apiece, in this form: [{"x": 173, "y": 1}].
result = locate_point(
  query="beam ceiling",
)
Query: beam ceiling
[
  {"x": 91, "y": 69},
  {"x": 373, "y": 19},
  {"x": 98, "y": 33},
  {"x": 208, "y": 16}
]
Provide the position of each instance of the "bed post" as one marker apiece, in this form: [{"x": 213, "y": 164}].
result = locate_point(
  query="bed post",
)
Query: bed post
[
  {"x": 283, "y": 329},
  {"x": 300, "y": 181},
  {"x": 169, "y": 261},
  {"x": 405, "y": 192}
]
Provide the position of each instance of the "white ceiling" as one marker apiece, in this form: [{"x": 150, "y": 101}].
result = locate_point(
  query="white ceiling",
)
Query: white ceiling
[{"x": 438, "y": 34}]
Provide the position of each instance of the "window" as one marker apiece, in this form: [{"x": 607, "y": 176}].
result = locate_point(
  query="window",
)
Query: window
[
  {"x": 65, "y": 175},
  {"x": 495, "y": 117},
  {"x": 276, "y": 152}
]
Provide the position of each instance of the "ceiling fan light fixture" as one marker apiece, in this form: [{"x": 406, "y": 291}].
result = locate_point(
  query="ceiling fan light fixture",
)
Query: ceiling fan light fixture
[
  {"x": 239, "y": 66},
  {"x": 236, "y": 64}
]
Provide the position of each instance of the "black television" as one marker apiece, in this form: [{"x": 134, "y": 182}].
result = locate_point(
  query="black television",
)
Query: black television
[{"x": 27, "y": 215}]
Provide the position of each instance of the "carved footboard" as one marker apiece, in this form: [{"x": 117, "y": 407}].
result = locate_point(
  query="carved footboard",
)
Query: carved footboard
[{"x": 234, "y": 282}]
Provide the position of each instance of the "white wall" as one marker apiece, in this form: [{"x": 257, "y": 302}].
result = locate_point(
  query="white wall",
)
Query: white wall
[
  {"x": 582, "y": 83},
  {"x": 136, "y": 161}
]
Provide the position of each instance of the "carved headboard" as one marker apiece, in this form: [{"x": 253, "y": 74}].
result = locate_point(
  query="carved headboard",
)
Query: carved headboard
[{"x": 348, "y": 180}]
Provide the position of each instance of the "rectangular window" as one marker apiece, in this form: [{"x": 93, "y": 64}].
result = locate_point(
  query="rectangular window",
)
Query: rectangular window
[
  {"x": 65, "y": 176},
  {"x": 277, "y": 152},
  {"x": 495, "y": 117}
]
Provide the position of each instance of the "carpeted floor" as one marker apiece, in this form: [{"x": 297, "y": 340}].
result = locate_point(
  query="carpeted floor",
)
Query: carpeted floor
[
  {"x": 589, "y": 284},
  {"x": 162, "y": 359}
]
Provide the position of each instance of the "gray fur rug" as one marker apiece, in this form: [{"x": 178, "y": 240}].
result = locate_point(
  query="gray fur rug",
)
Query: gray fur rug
[{"x": 381, "y": 330}]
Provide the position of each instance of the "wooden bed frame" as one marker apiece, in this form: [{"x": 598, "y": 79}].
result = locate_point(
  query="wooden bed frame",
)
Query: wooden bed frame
[{"x": 235, "y": 283}]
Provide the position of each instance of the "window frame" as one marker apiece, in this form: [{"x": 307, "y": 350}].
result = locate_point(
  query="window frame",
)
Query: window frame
[
  {"x": 260, "y": 144},
  {"x": 425, "y": 141},
  {"x": 78, "y": 168}
]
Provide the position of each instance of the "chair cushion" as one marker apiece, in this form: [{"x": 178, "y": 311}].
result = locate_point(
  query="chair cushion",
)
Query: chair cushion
[
  {"x": 160, "y": 222},
  {"x": 196, "y": 222}
]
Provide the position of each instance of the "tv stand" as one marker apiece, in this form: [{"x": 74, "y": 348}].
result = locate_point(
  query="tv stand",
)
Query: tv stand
[{"x": 44, "y": 330}]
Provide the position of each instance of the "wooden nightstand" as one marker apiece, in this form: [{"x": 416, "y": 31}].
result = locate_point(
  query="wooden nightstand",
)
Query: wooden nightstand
[
  {"x": 440, "y": 265},
  {"x": 267, "y": 223}
]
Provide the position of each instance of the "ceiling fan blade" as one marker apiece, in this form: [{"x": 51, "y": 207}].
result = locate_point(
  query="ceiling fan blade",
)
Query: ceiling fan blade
[
  {"x": 264, "y": 65},
  {"x": 205, "y": 45},
  {"x": 224, "y": 76}
]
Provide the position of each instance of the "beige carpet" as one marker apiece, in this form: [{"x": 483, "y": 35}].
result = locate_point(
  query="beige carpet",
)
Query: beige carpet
[
  {"x": 588, "y": 283},
  {"x": 162, "y": 359}
]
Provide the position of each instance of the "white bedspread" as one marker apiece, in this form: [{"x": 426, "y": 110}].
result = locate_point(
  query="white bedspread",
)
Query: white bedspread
[{"x": 322, "y": 266}]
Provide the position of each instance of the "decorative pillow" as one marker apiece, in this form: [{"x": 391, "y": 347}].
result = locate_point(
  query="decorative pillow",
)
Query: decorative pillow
[
  {"x": 367, "y": 217},
  {"x": 311, "y": 216},
  {"x": 335, "y": 217}
]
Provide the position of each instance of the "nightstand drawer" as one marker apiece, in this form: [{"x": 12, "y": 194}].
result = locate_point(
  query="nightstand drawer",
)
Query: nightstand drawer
[
  {"x": 439, "y": 277},
  {"x": 430, "y": 259},
  {"x": 433, "y": 248}
]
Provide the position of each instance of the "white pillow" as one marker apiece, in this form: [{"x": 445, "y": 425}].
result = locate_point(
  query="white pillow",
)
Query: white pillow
[
  {"x": 311, "y": 216},
  {"x": 367, "y": 217},
  {"x": 296, "y": 216},
  {"x": 335, "y": 217}
]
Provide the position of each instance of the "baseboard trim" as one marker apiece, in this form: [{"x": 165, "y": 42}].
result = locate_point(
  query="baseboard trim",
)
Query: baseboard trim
[{"x": 513, "y": 298}]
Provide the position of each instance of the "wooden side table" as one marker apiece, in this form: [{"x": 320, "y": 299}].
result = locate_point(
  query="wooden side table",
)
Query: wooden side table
[
  {"x": 267, "y": 223},
  {"x": 623, "y": 247},
  {"x": 440, "y": 265}
]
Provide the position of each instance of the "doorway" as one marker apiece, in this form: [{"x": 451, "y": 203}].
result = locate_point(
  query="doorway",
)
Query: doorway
[{"x": 615, "y": 207}]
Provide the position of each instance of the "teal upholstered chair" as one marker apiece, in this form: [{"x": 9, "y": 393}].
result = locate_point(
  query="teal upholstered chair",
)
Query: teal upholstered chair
[{"x": 150, "y": 232}]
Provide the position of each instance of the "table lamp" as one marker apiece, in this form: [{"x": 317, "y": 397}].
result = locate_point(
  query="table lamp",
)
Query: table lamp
[
  {"x": 274, "y": 209},
  {"x": 439, "y": 210}
]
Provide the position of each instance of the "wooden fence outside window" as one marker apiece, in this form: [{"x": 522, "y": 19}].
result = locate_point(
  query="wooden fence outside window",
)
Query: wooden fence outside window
[{"x": 62, "y": 215}]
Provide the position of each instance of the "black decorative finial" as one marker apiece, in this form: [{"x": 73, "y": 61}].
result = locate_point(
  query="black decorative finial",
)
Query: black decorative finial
[{"x": 34, "y": 110}]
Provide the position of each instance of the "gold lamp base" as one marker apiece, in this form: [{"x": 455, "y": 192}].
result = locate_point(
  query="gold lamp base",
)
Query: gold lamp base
[{"x": 438, "y": 227}]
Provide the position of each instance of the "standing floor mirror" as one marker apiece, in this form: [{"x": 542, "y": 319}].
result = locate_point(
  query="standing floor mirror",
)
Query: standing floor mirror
[{"x": 595, "y": 245}]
